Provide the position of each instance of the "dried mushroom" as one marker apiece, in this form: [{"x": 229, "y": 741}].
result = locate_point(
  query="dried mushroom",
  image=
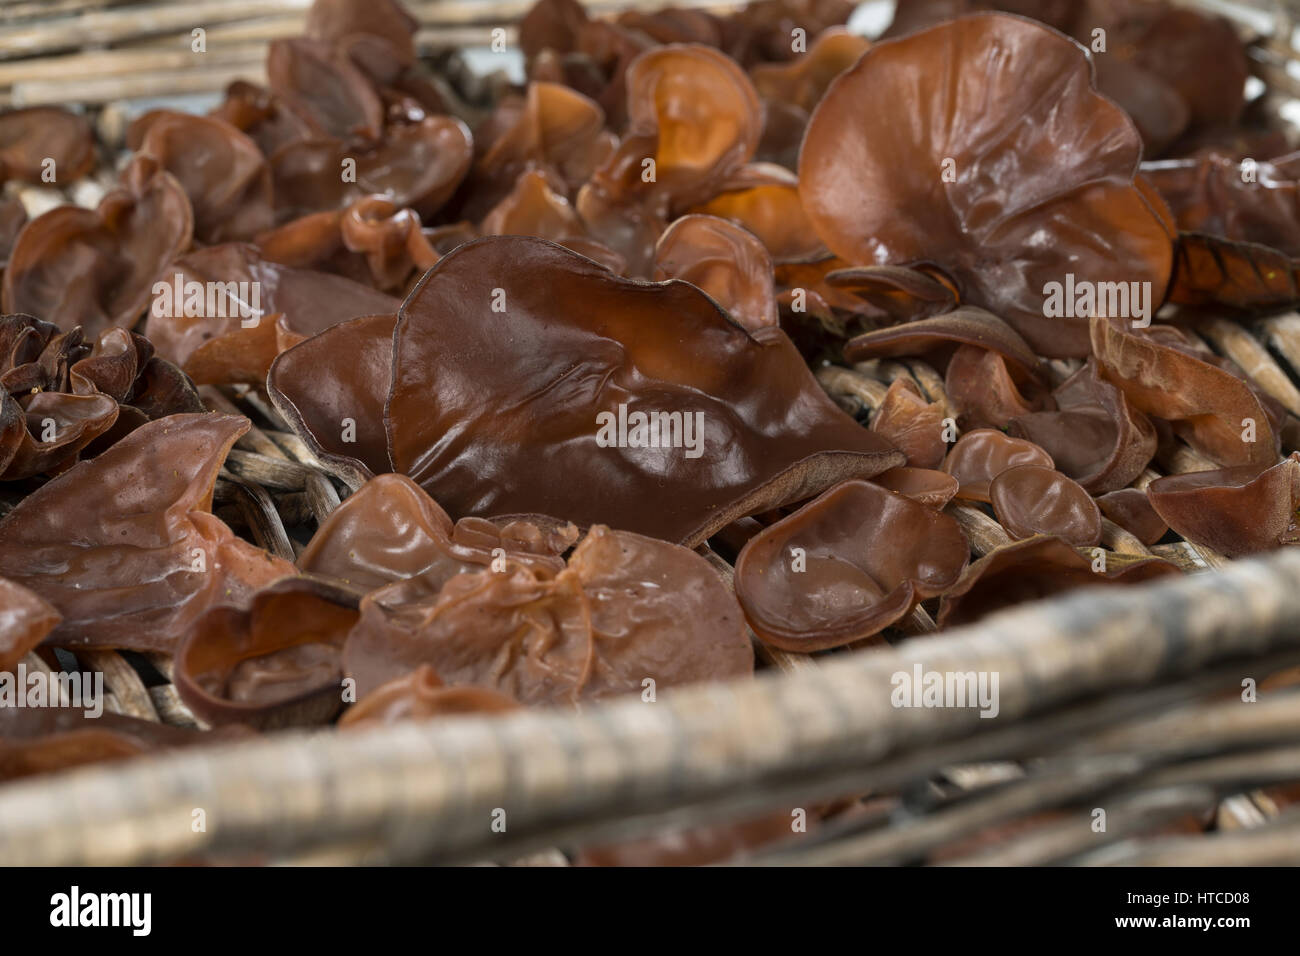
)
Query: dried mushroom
[
  {"x": 1236, "y": 511},
  {"x": 124, "y": 546},
  {"x": 846, "y": 566},
  {"x": 275, "y": 662},
  {"x": 95, "y": 267},
  {"x": 1033, "y": 569},
  {"x": 626, "y": 609},
  {"x": 61, "y": 399},
  {"x": 391, "y": 530},
  {"x": 1041, "y": 167}
]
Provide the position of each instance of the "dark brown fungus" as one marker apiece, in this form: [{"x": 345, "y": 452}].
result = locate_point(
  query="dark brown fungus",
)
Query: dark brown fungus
[
  {"x": 1130, "y": 508},
  {"x": 980, "y": 146},
  {"x": 627, "y": 609},
  {"x": 911, "y": 424},
  {"x": 724, "y": 260},
  {"x": 124, "y": 546},
  {"x": 846, "y": 566},
  {"x": 1212, "y": 409},
  {"x": 222, "y": 171},
  {"x": 231, "y": 311},
  {"x": 1097, "y": 437},
  {"x": 1214, "y": 194},
  {"x": 60, "y": 397},
  {"x": 95, "y": 267},
  {"x": 1032, "y": 499},
  {"x": 981, "y": 455},
  {"x": 527, "y": 379},
  {"x": 1033, "y": 569},
  {"x": 934, "y": 489},
  {"x": 803, "y": 81},
  {"x": 332, "y": 387},
  {"x": 273, "y": 663},
  {"x": 1235, "y": 511},
  {"x": 390, "y": 530}
]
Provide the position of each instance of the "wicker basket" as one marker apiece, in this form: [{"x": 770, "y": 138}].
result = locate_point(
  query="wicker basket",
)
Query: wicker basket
[{"x": 1127, "y": 700}]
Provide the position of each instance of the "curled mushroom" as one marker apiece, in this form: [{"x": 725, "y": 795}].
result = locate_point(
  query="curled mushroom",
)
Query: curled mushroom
[
  {"x": 694, "y": 120},
  {"x": 222, "y": 171},
  {"x": 766, "y": 202},
  {"x": 1130, "y": 508},
  {"x": 724, "y": 260},
  {"x": 1033, "y": 569},
  {"x": 626, "y": 609},
  {"x": 60, "y": 398},
  {"x": 1235, "y": 511},
  {"x": 1097, "y": 437},
  {"x": 981, "y": 146},
  {"x": 1032, "y": 499},
  {"x": 510, "y": 346},
  {"x": 1214, "y": 194},
  {"x": 223, "y": 313},
  {"x": 846, "y": 566},
  {"x": 274, "y": 663},
  {"x": 933, "y": 489},
  {"x": 1212, "y": 272},
  {"x": 124, "y": 546},
  {"x": 990, "y": 373},
  {"x": 1215, "y": 411},
  {"x": 390, "y": 530},
  {"x": 803, "y": 81},
  {"x": 93, "y": 268},
  {"x": 911, "y": 424},
  {"x": 981, "y": 455}
]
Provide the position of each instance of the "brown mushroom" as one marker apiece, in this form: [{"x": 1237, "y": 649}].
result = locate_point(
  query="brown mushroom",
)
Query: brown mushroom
[
  {"x": 249, "y": 310},
  {"x": 1097, "y": 437},
  {"x": 1032, "y": 499},
  {"x": 846, "y": 566},
  {"x": 981, "y": 455},
  {"x": 627, "y": 610},
  {"x": 1033, "y": 569},
  {"x": 222, "y": 171},
  {"x": 933, "y": 489},
  {"x": 1235, "y": 511},
  {"x": 94, "y": 268},
  {"x": 981, "y": 146},
  {"x": 390, "y": 530},
  {"x": 1130, "y": 508},
  {"x": 478, "y": 393},
  {"x": 724, "y": 260},
  {"x": 1215, "y": 411},
  {"x": 45, "y": 144},
  {"x": 124, "y": 546},
  {"x": 911, "y": 424},
  {"x": 421, "y": 695},
  {"x": 272, "y": 663},
  {"x": 25, "y": 620}
]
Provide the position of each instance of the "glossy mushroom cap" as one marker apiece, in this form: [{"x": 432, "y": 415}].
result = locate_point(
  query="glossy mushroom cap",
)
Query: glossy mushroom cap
[
  {"x": 1041, "y": 178},
  {"x": 846, "y": 566},
  {"x": 1236, "y": 511}
]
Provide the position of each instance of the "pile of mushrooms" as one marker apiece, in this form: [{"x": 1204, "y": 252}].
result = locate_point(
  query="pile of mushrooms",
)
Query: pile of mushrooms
[{"x": 697, "y": 342}]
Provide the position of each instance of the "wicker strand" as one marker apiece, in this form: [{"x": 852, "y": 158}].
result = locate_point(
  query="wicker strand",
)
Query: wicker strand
[{"x": 430, "y": 789}]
